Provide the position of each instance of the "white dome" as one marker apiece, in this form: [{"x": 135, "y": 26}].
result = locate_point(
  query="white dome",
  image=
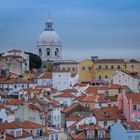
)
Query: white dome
[{"x": 49, "y": 38}]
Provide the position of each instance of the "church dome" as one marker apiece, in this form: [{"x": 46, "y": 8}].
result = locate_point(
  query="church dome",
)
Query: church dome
[{"x": 49, "y": 37}]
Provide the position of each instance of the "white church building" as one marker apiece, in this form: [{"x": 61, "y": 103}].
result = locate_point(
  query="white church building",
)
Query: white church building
[{"x": 49, "y": 45}]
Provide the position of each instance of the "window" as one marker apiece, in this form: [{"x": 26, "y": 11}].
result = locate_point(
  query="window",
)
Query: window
[
  {"x": 105, "y": 123},
  {"x": 99, "y": 77},
  {"x": 99, "y": 66},
  {"x": 101, "y": 134},
  {"x": 18, "y": 133},
  {"x": 48, "y": 51},
  {"x": 129, "y": 137},
  {"x": 40, "y": 52},
  {"x": 89, "y": 68},
  {"x": 83, "y": 68},
  {"x": 137, "y": 137},
  {"x": 90, "y": 134},
  {"x": 118, "y": 67},
  {"x": 57, "y": 52},
  {"x": 52, "y": 138},
  {"x": 106, "y": 76},
  {"x": 73, "y": 69},
  {"x": 134, "y": 107},
  {"x": 56, "y": 136},
  {"x": 112, "y": 66},
  {"x": 106, "y": 67}
]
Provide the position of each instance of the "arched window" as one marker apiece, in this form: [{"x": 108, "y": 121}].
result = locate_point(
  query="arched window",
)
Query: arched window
[
  {"x": 40, "y": 52},
  {"x": 48, "y": 51},
  {"x": 57, "y": 52}
]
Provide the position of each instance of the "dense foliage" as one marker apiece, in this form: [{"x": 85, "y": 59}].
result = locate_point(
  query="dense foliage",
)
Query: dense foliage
[{"x": 34, "y": 60}]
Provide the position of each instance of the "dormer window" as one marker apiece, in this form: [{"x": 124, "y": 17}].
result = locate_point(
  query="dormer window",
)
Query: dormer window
[
  {"x": 107, "y": 114},
  {"x": 18, "y": 133}
]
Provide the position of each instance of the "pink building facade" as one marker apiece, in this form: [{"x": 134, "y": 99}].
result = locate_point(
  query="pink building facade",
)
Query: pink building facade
[{"x": 129, "y": 104}]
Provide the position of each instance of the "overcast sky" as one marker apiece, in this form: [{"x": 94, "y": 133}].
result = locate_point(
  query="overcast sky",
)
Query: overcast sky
[{"x": 104, "y": 28}]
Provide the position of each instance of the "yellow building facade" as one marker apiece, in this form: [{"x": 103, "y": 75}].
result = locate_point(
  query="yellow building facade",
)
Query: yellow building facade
[
  {"x": 86, "y": 71},
  {"x": 102, "y": 69}
]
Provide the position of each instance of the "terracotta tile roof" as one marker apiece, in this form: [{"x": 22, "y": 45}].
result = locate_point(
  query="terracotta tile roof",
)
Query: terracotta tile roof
[
  {"x": 93, "y": 127},
  {"x": 95, "y": 89},
  {"x": 47, "y": 88},
  {"x": 91, "y": 89},
  {"x": 45, "y": 76},
  {"x": 30, "y": 125},
  {"x": 134, "y": 125},
  {"x": 34, "y": 108},
  {"x": 79, "y": 136},
  {"x": 80, "y": 85},
  {"x": 91, "y": 98},
  {"x": 70, "y": 108},
  {"x": 80, "y": 98},
  {"x": 69, "y": 91},
  {"x": 116, "y": 86},
  {"x": 17, "y": 81},
  {"x": 15, "y": 102},
  {"x": 135, "y": 97},
  {"x": 112, "y": 98},
  {"x": 53, "y": 101},
  {"x": 65, "y": 95},
  {"x": 11, "y": 56},
  {"x": 24, "y": 135},
  {"x": 107, "y": 114},
  {"x": 2, "y": 106}
]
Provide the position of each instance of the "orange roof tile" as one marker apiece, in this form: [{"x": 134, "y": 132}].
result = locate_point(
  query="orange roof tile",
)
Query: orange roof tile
[
  {"x": 107, "y": 113},
  {"x": 135, "y": 97},
  {"x": 80, "y": 85},
  {"x": 15, "y": 102},
  {"x": 45, "y": 76},
  {"x": 65, "y": 95}
]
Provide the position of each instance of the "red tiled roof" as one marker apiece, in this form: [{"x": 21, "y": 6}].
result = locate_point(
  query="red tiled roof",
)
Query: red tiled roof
[
  {"x": 80, "y": 98},
  {"x": 91, "y": 98},
  {"x": 69, "y": 91},
  {"x": 30, "y": 125},
  {"x": 15, "y": 102},
  {"x": 66, "y": 110},
  {"x": 135, "y": 97},
  {"x": 24, "y": 135},
  {"x": 107, "y": 113},
  {"x": 65, "y": 95},
  {"x": 116, "y": 86},
  {"x": 45, "y": 76},
  {"x": 17, "y": 81},
  {"x": 34, "y": 108},
  {"x": 80, "y": 85}
]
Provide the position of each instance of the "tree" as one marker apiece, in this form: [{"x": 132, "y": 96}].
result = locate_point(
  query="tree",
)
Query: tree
[{"x": 34, "y": 60}]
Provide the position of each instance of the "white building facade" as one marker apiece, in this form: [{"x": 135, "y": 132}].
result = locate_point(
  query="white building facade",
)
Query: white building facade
[{"x": 124, "y": 78}]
